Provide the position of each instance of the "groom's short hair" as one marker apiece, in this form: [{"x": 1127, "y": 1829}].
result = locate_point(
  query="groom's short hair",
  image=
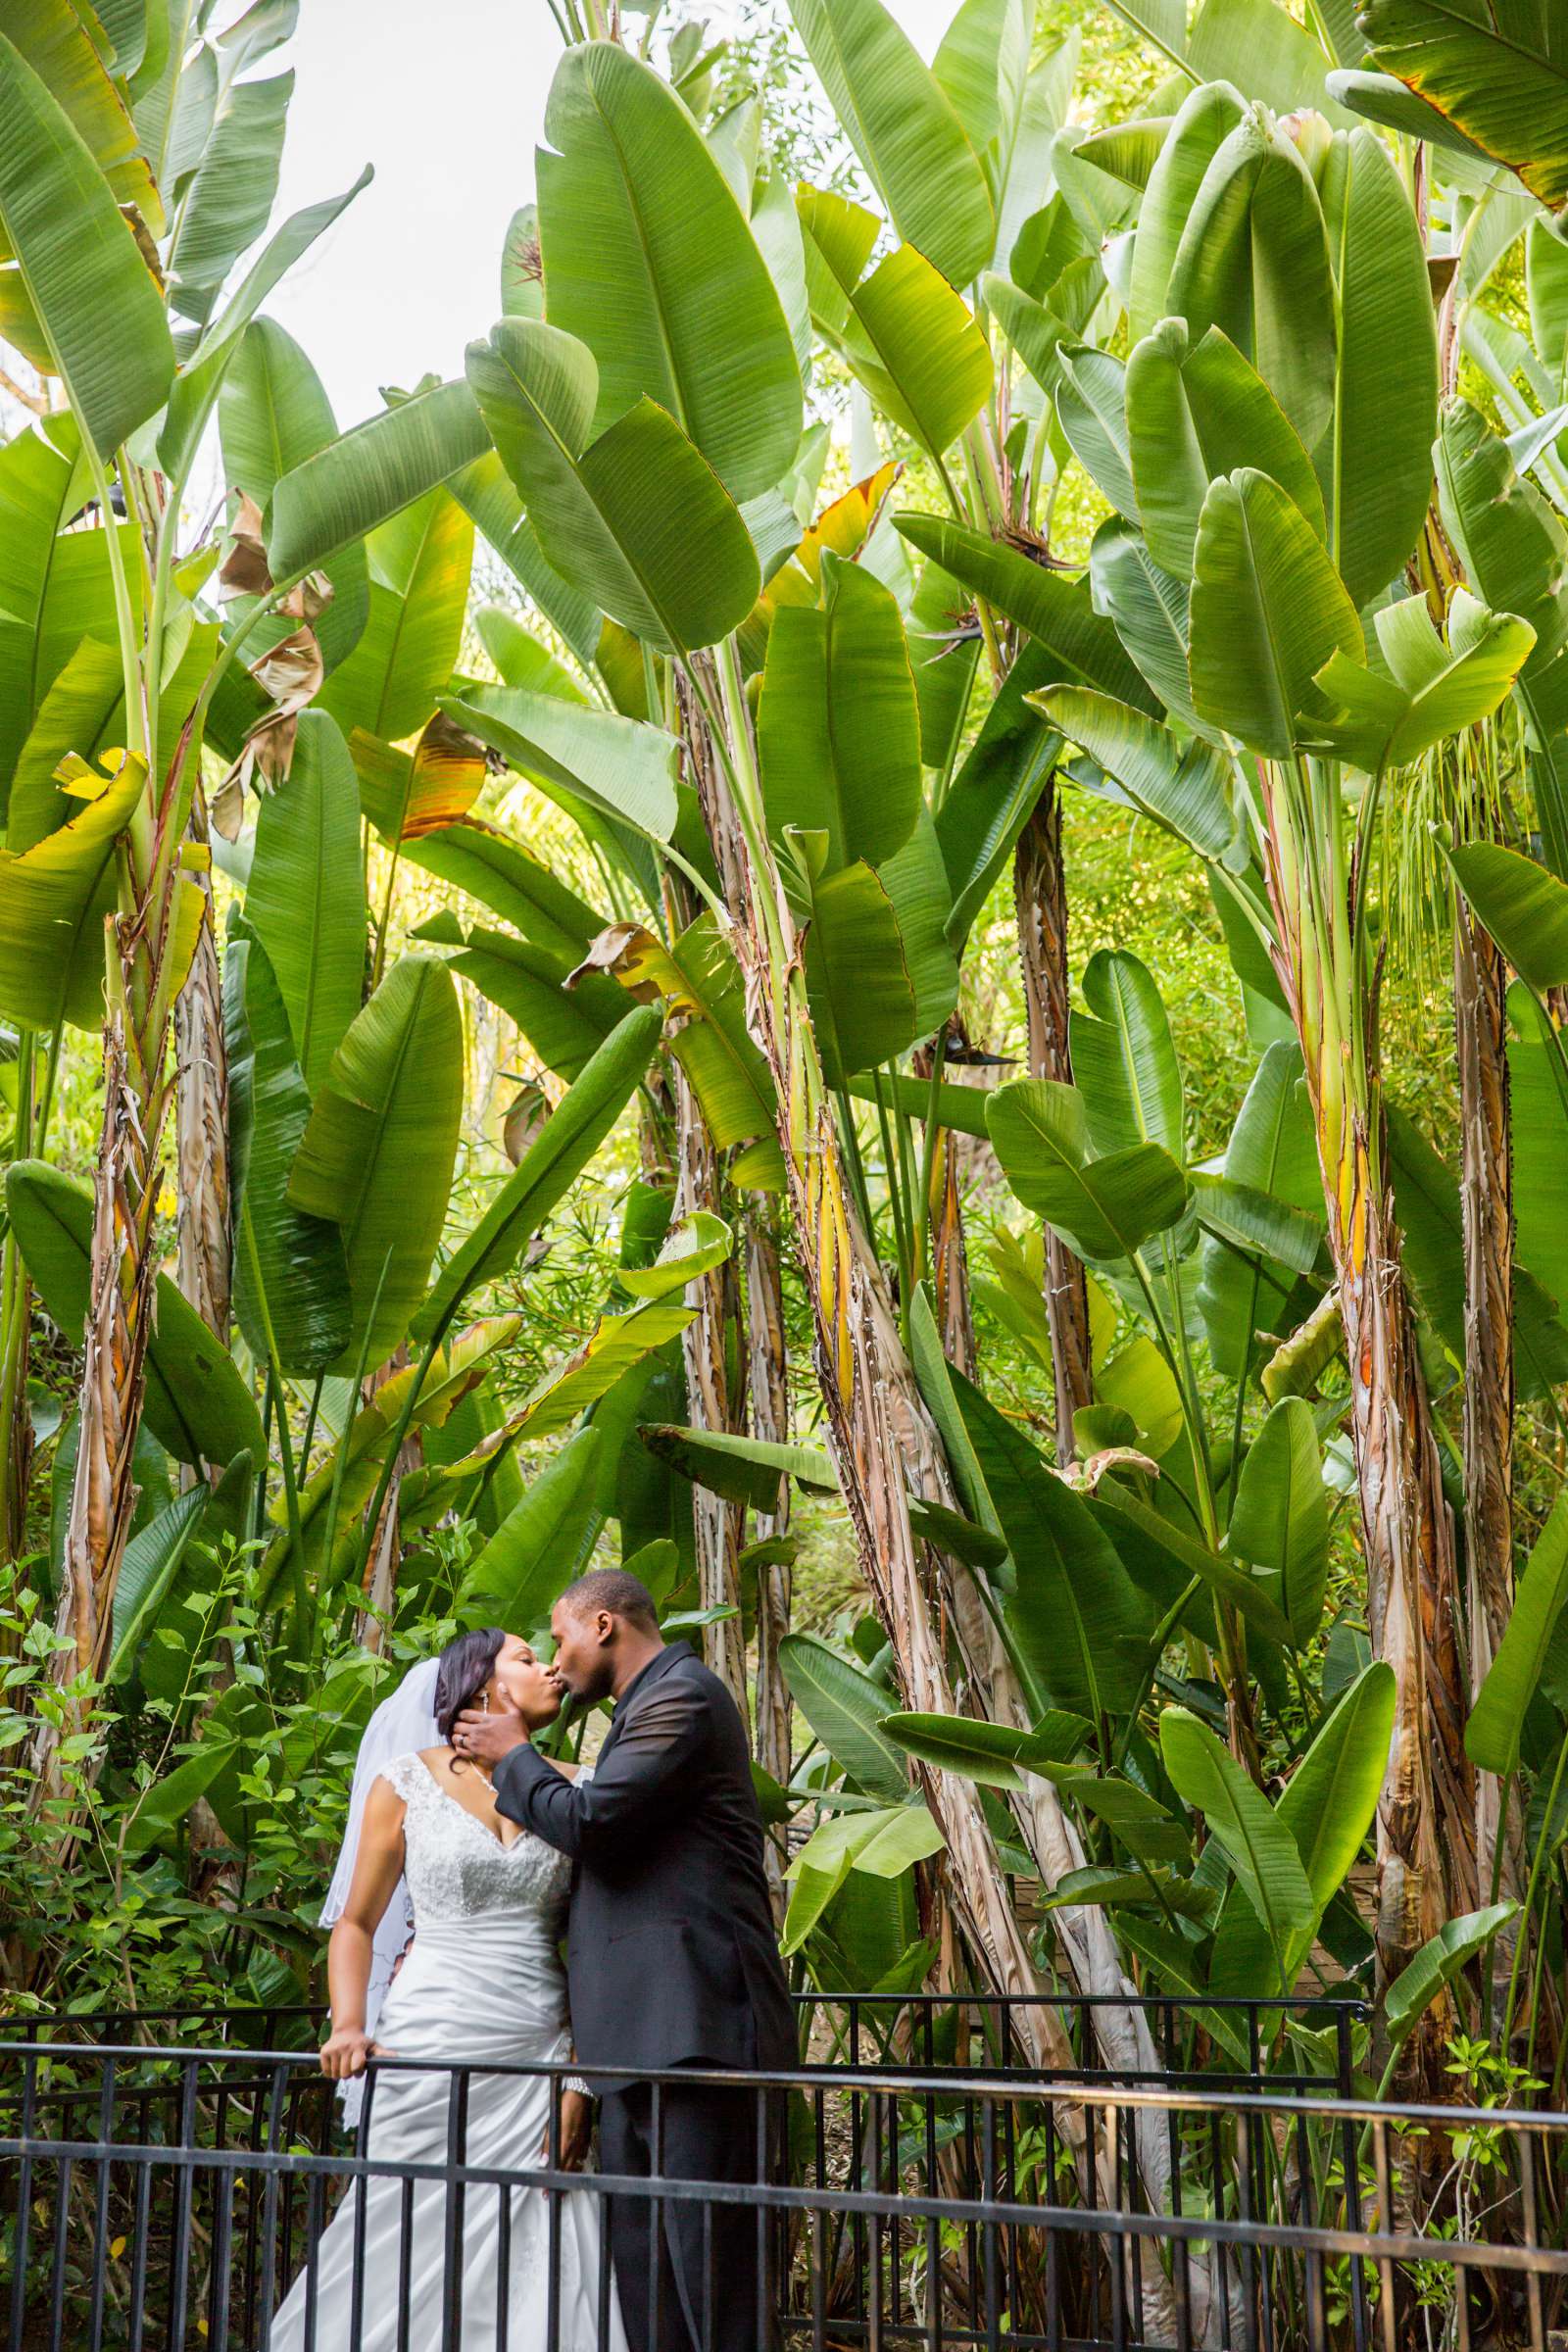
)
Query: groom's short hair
[{"x": 617, "y": 1594}]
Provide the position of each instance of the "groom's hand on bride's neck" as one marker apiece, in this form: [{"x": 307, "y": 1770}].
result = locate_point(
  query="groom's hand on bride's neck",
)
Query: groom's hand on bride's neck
[{"x": 489, "y": 1734}]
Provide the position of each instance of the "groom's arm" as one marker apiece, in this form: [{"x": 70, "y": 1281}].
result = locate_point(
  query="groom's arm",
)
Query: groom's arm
[{"x": 639, "y": 1781}]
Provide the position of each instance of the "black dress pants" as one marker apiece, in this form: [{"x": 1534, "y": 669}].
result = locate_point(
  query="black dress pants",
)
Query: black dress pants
[{"x": 688, "y": 2270}]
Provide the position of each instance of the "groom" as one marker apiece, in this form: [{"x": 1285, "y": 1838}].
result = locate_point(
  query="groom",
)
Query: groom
[{"x": 671, "y": 1954}]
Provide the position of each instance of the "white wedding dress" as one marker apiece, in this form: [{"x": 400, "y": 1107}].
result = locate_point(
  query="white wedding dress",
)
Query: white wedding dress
[{"x": 482, "y": 1980}]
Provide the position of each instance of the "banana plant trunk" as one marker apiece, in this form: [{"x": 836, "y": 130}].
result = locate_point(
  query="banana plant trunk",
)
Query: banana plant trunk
[
  {"x": 884, "y": 1443},
  {"x": 716, "y": 1522},
  {"x": 950, "y": 1248},
  {"x": 768, "y": 1386},
  {"x": 145, "y": 941},
  {"x": 1485, "y": 1201},
  {"x": 1041, "y": 899},
  {"x": 1425, "y": 1810},
  {"x": 767, "y": 1366},
  {"x": 201, "y": 1123}
]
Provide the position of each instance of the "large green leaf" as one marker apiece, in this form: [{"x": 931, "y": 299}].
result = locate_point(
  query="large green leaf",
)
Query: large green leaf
[
  {"x": 1437, "y": 1963},
  {"x": 1523, "y": 907},
  {"x": 1194, "y": 415},
  {"x": 1260, "y": 1848},
  {"x": 1055, "y": 611},
  {"x": 420, "y": 564},
  {"x": 1271, "y": 1150},
  {"x": 991, "y": 1753},
  {"x": 845, "y": 1708},
  {"x": 862, "y": 999},
  {"x": 502, "y": 874},
  {"x": 1205, "y": 120},
  {"x": 1538, "y": 1118},
  {"x": 371, "y": 473},
  {"x": 552, "y": 1163},
  {"x": 699, "y": 976},
  {"x": 742, "y": 1469},
  {"x": 517, "y": 1578},
  {"x": 636, "y": 519},
  {"x": 995, "y": 790},
  {"x": 1092, "y": 409},
  {"x": 1280, "y": 1522},
  {"x": 1185, "y": 788},
  {"x": 1078, "y": 1624},
  {"x": 1254, "y": 259},
  {"x": 1149, "y": 609},
  {"x": 905, "y": 333},
  {"x": 1427, "y": 1198},
  {"x": 272, "y": 414},
  {"x": 305, "y": 899},
  {"x": 149, "y": 1567},
  {"x": 56, "y": 587},
  {"x": 1379, "y": 455},
  {"x": 1513, "y": 545},
  {"x": 618, "y": 767},
  {"x": 838, "y": 725},
  {"x": 227, "y": 206},
  {"x": 200, "y": 381},
  {"x": 488, "y": 494},
  {"x": 1124, "y": 1058},
  {"x": 1497, "y": 1722},
  {"x": 291, "y": 1279},
  {"x": 88, "y": 286},
  {"x": 565, "y": 1026},
  {"x": 1444, "y": 690},
  {"x": 198, "y": 1408},
  {"x": 376, "y": 1157},
  {"x": 915, "y": 879},
  {"x": 53, "y": 902},
  {"x": 1329, "y": 1805},
  {"x": 1105, "y": 1208},
  {"x": 905, "y": 131},
  {"x": 650, "y": 261},
  {"x": 1501, "y": 76},
  {"x": 1268, "y": 611}
]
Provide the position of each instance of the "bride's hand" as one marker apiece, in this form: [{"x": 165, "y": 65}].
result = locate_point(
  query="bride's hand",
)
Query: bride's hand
[
  {"x": 345, "y": 2051},
  {"x": 577, "y": 2131}
]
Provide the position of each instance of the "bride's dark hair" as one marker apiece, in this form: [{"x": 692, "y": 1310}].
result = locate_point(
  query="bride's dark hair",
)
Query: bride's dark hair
[{"x": 465, "y": 1666}]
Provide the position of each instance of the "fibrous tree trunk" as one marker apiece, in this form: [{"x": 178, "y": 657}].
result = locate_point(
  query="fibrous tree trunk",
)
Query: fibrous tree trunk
[
  {"x": 202, "y": 1120},
  {"x": 122, "y": 1278},
  {"x": 950, "y": 1248},
  {"x": 716, "y": 1522},
  {"x": 1425, "y": 1823},
  {"x": 1485, "y": 1201},
  {"x": 884, "y": 1444},
  {"x": 769, "y": 1388},
  {"x": 148, "y": 943},
  {"x": 1040, "y": 897}
]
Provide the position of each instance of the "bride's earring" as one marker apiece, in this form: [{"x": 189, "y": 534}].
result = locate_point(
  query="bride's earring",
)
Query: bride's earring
[{"x": 484, "y": 1700}]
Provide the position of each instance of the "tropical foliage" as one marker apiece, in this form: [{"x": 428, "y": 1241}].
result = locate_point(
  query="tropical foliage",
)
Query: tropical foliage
[{"x": 1100, "y": 1411}]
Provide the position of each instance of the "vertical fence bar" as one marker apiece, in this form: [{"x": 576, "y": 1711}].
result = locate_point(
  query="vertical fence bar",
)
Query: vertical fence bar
[
  {"x": 179, "y": 2247},
  {"x": 552, "y": 2154},
  {"x": 100, "y": 2215},
  {"x": 452, "y": 2235}
]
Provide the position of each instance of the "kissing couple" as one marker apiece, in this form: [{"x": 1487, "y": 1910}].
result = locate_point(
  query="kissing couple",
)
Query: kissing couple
[{"x": 651, "y": 1862}]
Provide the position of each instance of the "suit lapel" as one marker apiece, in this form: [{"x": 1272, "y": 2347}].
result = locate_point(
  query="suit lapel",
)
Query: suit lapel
[{"x": 670, "y": 1655}]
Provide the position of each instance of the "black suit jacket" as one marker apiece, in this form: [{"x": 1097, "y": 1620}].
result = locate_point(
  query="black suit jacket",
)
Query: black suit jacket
[{"x": 671, "y": 1954}]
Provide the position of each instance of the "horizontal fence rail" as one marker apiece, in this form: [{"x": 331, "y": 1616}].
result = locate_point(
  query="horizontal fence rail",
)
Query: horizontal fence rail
[
  {"x": 1225, "y": 2040},
  {"x": 169, "y": 2197}
]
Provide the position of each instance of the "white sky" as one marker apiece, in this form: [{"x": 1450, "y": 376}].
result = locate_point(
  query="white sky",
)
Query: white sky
[{"x": 448, "y": 104}]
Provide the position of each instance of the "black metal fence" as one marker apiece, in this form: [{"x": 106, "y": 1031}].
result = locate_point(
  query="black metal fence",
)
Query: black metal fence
[{"x": 167, "y": 2197}]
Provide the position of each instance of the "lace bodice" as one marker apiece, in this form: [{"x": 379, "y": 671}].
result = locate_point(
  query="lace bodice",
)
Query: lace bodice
[{"x": 456, "y": 1868}]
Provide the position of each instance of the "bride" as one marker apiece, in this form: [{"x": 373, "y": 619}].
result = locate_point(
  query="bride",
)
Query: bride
[{"x": 425, "y": 1849}]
